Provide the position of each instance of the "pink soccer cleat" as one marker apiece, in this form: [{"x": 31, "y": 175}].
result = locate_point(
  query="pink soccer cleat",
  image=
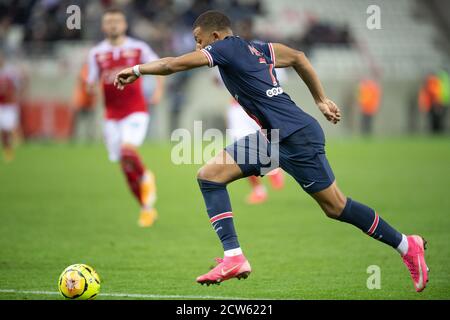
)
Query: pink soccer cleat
[
  {"x": 227, "y": 268},
  {"x": 414, "y": 260}
]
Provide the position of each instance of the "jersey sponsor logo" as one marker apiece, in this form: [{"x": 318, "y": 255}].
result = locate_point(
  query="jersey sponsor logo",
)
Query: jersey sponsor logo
[{"x": 274, "y": 91}]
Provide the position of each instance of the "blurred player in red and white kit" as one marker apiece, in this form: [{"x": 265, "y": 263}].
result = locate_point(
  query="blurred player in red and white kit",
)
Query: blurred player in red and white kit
[
  {"x": 11, "y": 91},
  {"x": 126, "y": 115}
]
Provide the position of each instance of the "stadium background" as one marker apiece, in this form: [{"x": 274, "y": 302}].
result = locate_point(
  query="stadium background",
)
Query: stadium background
[
  {"x": 401, "y": 168},
  {"x": 411, "y": 44}
]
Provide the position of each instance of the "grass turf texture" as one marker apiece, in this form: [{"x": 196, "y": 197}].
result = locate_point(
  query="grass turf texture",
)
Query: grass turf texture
[{"x": 63, "y": 204}]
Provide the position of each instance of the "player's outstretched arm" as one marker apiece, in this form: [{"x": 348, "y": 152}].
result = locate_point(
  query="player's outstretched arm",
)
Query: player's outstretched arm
[
  {"x": 161, "y": 67},
  {"x": 288, "y": 57}
]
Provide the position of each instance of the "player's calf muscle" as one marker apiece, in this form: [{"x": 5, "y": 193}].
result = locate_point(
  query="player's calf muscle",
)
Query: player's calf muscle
[{"x": 128, "y": 146}]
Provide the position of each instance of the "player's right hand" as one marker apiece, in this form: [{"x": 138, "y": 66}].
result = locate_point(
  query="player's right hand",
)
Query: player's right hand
[{"x": 124, "y": 77}]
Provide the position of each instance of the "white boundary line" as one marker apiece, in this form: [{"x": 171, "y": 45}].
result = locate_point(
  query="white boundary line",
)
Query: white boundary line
[{"x": 130, "y": 295}]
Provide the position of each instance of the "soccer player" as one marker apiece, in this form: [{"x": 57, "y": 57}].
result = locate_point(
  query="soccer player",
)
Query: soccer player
[
  {"x": 126, "y": 115},
  {"x": 83, "y": 101},
  {"x": 11, "y": 90},
  {"x": 247, "y": 69}
]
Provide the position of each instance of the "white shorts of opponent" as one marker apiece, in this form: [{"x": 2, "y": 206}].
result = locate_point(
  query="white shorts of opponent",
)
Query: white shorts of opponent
[
  {"x": 239, "y": 123},
  {"x": 9, "y": 117},
  {"x": 130, "y": 130}
]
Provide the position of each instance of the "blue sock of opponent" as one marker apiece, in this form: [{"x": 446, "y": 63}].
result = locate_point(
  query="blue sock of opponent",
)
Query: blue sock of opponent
[
  {"x": 220, "y": 215},
  {"x": 370, "y": 222}
]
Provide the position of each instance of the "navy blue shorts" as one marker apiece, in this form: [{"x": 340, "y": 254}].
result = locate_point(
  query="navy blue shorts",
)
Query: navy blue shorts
[{"x": 302, "y": 155}]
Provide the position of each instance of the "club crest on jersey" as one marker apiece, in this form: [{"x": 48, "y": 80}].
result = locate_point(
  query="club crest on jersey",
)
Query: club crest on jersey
[
  {"x": 274, "y": 91},
  {"x": 254, "y": 51},
  {"x": 208, "y": 48}
]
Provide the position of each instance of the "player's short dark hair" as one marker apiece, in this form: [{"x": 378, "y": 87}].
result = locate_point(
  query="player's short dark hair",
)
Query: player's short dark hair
[
  {"x": 113, "y": 10},
  {"x": 212, "y": 20}
]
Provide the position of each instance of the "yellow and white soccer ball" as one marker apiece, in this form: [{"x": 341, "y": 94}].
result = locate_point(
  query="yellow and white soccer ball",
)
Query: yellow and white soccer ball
[{"x": 79, "y": 281}]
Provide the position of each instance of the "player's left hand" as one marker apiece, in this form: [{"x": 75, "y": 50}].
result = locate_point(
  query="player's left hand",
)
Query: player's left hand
[
  {"x": 330, "y": 110},
  {"x": 124, "y": 77}
]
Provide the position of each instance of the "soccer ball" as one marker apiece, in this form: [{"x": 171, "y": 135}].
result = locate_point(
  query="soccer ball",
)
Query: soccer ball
[{"x": 79, "y": 281}]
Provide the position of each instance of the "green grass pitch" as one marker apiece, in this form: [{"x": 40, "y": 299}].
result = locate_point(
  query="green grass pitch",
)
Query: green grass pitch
[{"x": 62, "y": 204}]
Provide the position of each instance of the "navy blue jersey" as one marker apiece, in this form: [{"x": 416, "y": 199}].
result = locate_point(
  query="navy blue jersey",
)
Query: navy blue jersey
[{"x": 248, "y": 71}]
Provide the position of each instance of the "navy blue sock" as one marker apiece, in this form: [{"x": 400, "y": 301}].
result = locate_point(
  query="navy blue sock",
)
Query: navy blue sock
[
  {"x": 218, "y": 206},
  {"x": 370, "y": 222}
]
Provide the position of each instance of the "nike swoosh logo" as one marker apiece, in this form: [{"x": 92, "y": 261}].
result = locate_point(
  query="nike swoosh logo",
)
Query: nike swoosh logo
[
  {"x": 420, "y": 283},
  {"x": 224, "y": 273},
  {"x": 308, "y": 185}
]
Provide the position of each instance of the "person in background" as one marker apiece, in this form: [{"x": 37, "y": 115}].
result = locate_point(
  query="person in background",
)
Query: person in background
[
  {"x": 432, "y": 101},
  {"x": 126, "y": 112},
  {"x": 84, "y": 101},
  {"x": 12, "y": 88},
  {"x": 444, "y": 95},
  {"x": 369, "y": 97}
]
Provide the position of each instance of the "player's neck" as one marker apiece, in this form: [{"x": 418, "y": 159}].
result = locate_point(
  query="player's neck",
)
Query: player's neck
[
  {"x": 116, "y": 41},
  {"x": 225, "y": 34}
]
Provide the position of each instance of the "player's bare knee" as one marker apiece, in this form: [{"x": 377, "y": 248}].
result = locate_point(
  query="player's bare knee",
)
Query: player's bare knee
[
  {"x": 332, "y": 209},
  {"x": 339, "y": 204},
  {"x": 333, "y": 214},
  {"x": 126, "y": 152},
  {"x": 127, "y": 147},
  {"x": 207, "y": 173},
  {"x": 202, "y": 173},
  {"x": 335, "y": 210},
  {"x": 332, "y": 202}
]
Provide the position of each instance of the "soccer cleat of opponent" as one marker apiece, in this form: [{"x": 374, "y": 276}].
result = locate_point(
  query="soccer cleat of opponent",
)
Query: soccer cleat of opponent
[
  {"x": 295, "y": 139},
  {"x": 147, "y": 188}
]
